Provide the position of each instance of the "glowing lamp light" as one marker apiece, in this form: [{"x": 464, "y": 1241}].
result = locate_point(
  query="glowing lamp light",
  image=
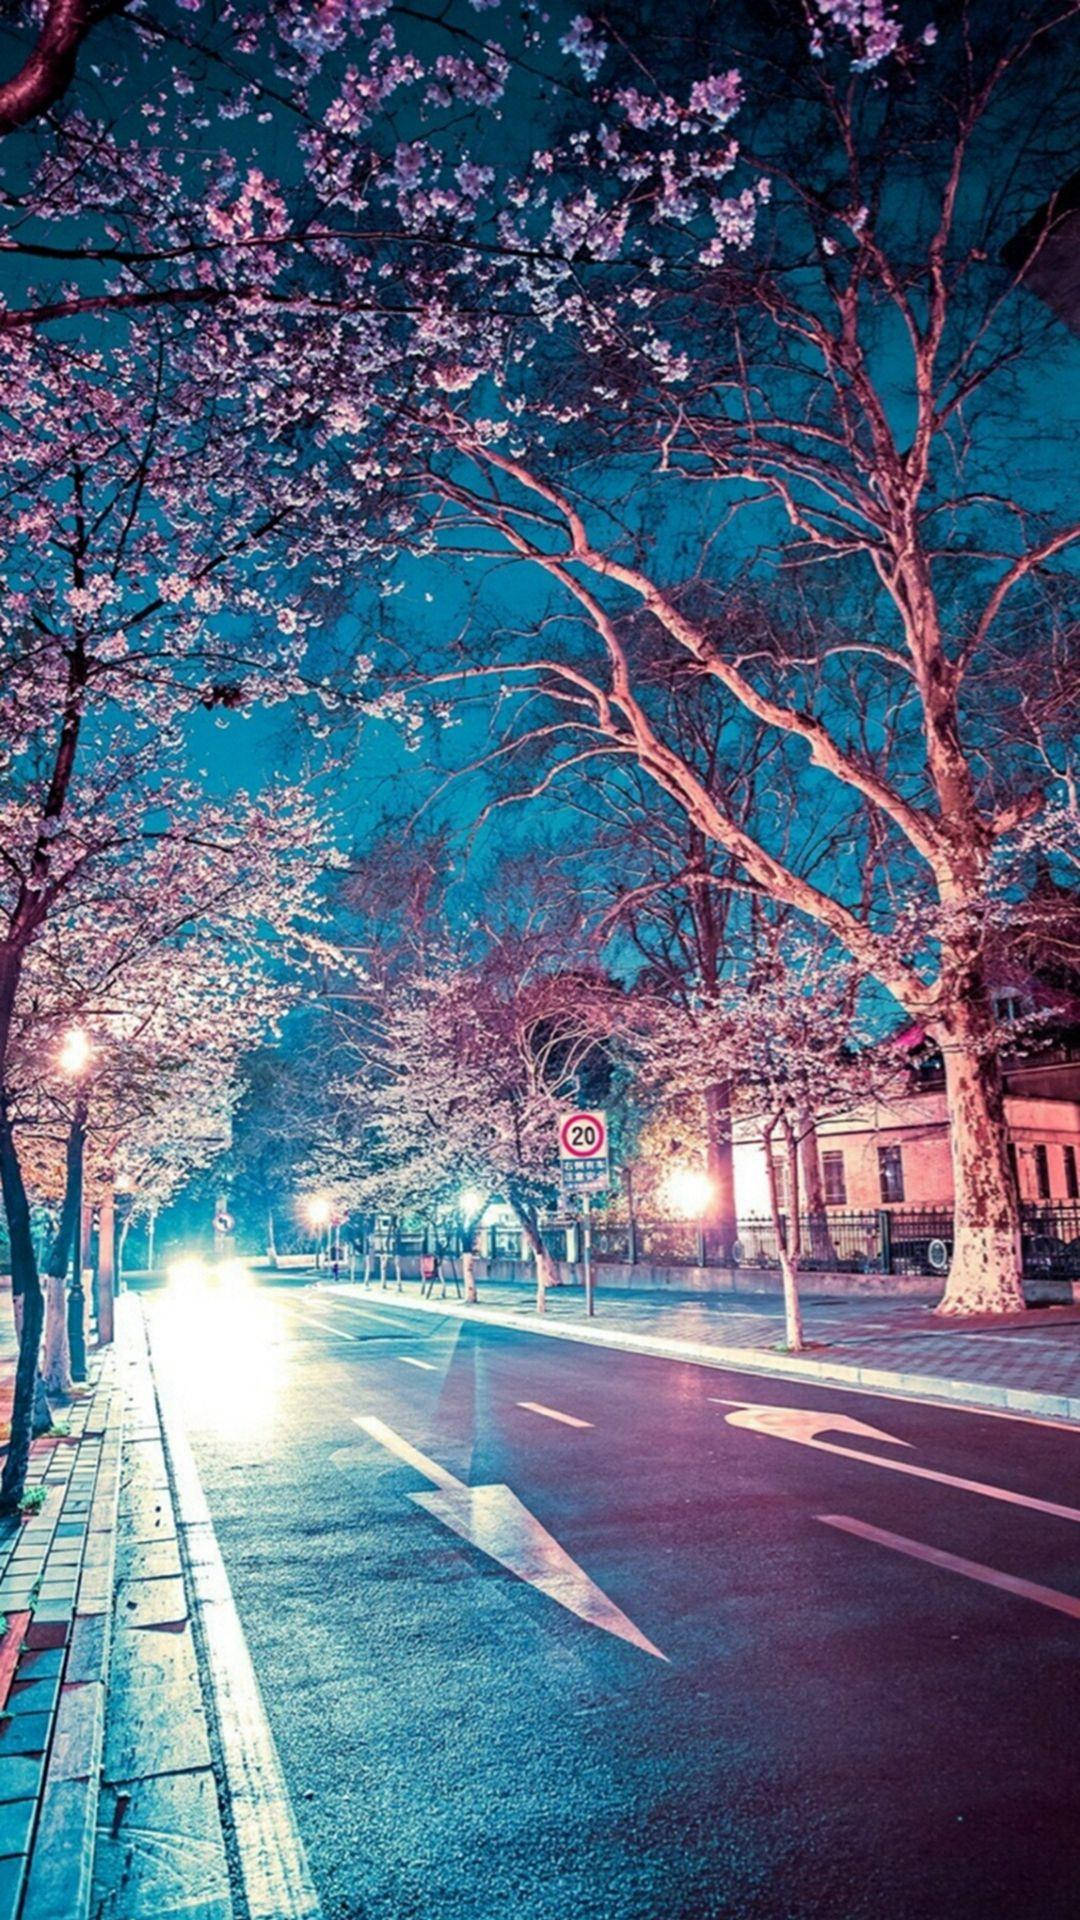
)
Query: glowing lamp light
[
  {"x": 233, "y": 1273},
  {"x": 75, "y": 1052},
  {"x": 688, "y": 1191},
  {"x": 470, "y": 1202},
  {"x": 317, "y": 1209},
  {"x": 188, "y": 1272}
]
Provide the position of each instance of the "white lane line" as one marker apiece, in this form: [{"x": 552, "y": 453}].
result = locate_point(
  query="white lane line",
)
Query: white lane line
[
  {"x": 308, "y": 1320},
  {"x": 797, "y": 1424},
  {"x": 270, "y": 1853},
  {"x": 952, "y": 1562},
  {"x": 552, "y": 1413},
  {"x": 407, "y": 1361},
  {"x": 393, "y": 1442}
]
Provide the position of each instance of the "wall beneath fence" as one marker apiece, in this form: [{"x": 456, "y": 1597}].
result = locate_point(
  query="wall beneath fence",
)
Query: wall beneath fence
[{"x": 720, "y": 1280}]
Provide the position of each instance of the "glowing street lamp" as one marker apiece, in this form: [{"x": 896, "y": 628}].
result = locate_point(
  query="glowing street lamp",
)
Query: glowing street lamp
[
  {"x": 74, "y": 1061},
  {"x": 470, "y": 1203},
  {"x": 319, "y": 1214},
  {"x": 74, "y": 1056},
  {"x": 688, "y": 1191}
]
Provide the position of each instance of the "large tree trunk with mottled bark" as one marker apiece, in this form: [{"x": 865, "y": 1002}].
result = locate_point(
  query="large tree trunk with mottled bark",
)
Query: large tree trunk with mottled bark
[
  {"x": 985, "y": 1274},
  {"x": 721, "y": 1168}
]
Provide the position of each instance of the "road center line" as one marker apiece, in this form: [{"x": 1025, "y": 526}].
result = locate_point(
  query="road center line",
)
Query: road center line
[
  {"x": 551, "y": 1413},
  {"x": 408, "y": 1361},
  {"x": 971, "y": 1569}
]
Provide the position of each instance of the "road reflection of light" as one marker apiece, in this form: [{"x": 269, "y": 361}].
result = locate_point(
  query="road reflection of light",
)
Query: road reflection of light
[{"x": 225, "y": 1352}]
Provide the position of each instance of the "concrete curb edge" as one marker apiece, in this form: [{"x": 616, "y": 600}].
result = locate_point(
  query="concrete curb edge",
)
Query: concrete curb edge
[
  {"x": 269, "y": 1852},
  {"x": 975, "y": 1395}
]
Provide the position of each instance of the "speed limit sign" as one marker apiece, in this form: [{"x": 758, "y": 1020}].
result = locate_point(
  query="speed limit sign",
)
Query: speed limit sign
[
  {"x": 583, "y": 1150},
  {"x": 583, "y": 1136}
]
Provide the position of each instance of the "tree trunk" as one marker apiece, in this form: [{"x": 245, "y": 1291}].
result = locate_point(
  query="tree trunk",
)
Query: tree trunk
[
  {"x": 788, "y": 1238},
  {"x": 24, "y": 1272},
  {"x": 105, "y": 1283},
  {"x": 546, "y": 1274},
  {"x": 720, "y": 1161},
  {"x": 821, "y": 1245},
  {"x": 125, "y": 1228},
  {"x": 271, "y": 1237},
  {"x": 56, "y": 1362},
  {"x": 43, "y": 1419},
  {"x": 791, "y": 1245},
  {"x": 468, "y": 1270},
  {"x": 56, "y": 1358},
  {"x": 985, "y": 1274}
]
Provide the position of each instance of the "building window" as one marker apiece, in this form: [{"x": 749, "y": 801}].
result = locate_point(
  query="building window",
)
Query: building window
[
  {"x": 1072, "y": 1188},
  {"x": 832, "y": 1174},
  {"x": 780, "y": 1171},
  {"x": 1007, "y": 1007},
  {"x": 1014, "y": 1168},
  {"x": 1042, "y": 1173},
  {"x": 891, "y": 1174}
]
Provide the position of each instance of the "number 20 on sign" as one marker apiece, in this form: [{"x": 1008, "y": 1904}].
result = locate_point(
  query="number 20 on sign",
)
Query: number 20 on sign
[{"x": 583, "y": 1136}]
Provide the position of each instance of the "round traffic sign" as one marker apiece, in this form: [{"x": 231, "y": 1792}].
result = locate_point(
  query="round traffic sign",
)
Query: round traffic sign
[
  {"x": 223, "y": 1222},
  {"x": 583, "y": 1136}
]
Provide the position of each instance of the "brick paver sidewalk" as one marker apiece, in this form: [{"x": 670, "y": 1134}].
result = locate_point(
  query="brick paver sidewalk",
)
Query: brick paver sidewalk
[{"x": 1031, "y": 1362}]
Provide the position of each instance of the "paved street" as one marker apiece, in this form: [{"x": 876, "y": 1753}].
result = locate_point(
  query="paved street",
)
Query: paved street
[{"x": 743, "y": 1687}]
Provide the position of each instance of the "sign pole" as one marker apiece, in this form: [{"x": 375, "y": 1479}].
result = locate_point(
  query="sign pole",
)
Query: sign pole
[{"x": 587, "y": 1240}]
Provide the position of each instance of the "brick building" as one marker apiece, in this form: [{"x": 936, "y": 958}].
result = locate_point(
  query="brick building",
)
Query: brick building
[{"x": 894, "y": 1152}]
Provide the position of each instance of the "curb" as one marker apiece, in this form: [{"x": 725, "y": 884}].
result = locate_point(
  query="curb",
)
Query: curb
[
  {"x": 267, "y": 1849},
  {"x": 973, "y": 1394},
  {"x": 53, "y": 1737}
]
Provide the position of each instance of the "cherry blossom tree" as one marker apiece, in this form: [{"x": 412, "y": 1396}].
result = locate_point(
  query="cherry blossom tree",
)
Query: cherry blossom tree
[
  {"x": 816, "y": 379},
  {"x": 459, "y": 1079},
  {"x": 788, "y": 1033},
  {"x": 135, "y": 534}
]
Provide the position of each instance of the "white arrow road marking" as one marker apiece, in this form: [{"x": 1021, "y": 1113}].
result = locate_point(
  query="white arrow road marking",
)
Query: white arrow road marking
[
  {"x": 495, "y": 1520},
  {"x": 394, "y": 1443},
  {"x": 551, "y": 1413},
  {"x": 407, "y": 1361},
  {"x": 952, "y": 1562},
  {"x": 802, "y": 1425}
]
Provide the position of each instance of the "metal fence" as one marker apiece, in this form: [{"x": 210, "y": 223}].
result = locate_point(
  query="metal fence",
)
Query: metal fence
[{"x": 884, "y": 1240}]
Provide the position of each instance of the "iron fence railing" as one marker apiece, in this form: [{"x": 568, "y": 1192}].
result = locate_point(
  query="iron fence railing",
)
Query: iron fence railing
[{"x": 911, "y": 1240}]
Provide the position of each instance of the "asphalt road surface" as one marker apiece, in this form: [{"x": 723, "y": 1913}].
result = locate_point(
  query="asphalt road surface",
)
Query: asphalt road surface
[{"x": 678, "y": 1660}]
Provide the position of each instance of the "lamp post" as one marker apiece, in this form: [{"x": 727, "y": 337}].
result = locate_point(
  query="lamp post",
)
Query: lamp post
[
  {"x": 319, "y": 1213},
  {"x": 470, "y": 1206},
  {"x": 74, "y": 1061},
  {"x": 689, "y": 1191}
]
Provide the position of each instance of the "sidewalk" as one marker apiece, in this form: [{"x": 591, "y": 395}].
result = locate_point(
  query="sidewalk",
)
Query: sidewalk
[
  {"x": 1024, "y": 1364},
  {"x": 138, "y": 1774}
]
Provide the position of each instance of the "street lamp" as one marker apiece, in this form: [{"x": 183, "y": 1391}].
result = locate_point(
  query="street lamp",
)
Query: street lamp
[
  {"x": 319, "y": 1212},
  {"x": 470, "y": 1203},
  {"x": 74, "y": 1061},
  {"x": 75, "y": 1053},
  {"x": 688, "y": 1191}
]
